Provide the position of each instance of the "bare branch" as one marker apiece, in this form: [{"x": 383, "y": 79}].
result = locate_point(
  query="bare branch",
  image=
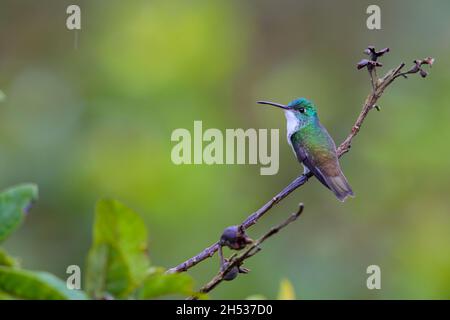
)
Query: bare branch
[
  {"x": 236, "y": 261},
  {"x": 250, "y": 221}
]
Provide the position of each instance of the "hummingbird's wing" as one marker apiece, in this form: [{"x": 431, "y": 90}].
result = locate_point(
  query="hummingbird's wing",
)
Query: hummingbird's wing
[
  {"x": 317, "y": 151},
  {"x": 303, "y": 157}
]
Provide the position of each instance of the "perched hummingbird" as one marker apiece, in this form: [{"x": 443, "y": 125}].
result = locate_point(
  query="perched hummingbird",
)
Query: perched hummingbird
[{"x": 313, "y": 145}]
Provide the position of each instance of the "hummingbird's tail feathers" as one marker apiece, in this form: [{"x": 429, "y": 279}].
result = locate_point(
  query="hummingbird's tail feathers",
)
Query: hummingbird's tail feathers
[{"x": 340, "y": 187}]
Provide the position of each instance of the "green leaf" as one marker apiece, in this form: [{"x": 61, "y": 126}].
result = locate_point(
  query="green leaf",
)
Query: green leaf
[
  {"x": 159, "y": 284},
  {"x": 118, "y": 259},
  {"x": 287, "y": 291},
  {"x": 24, "y": 284},
  {"x": 6, "y": 260},
  {"x": 14, "y": 204}
]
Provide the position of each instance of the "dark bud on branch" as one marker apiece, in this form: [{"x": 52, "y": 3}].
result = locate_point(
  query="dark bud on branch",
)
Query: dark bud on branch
[
  {"x": 234, "y": 237},
  {"x": 368, "y": 63},
  {"x": 417, "y": 67},
  {"x": 428, "y": 60},
  {"x": 233, "y": 273},
  {"x": 372, "y": 62},
  {"x": 363, "y": 63},
  {"x": 423, "y": 73},
  {"x": 373, "y": 54}
]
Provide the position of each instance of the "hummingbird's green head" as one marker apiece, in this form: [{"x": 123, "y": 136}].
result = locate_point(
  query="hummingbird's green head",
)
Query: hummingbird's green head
[{"x": 302, "y": 108}]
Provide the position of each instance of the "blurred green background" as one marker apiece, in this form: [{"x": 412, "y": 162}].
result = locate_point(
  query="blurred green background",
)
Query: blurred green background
[{"x": 96, "y": 120}]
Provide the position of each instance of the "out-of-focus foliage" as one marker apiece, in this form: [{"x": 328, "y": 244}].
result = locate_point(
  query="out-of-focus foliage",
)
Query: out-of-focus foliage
[
  {"x": 14, "y": 204},
  {"x": 6, "y": 260},
  {"x": 95, "y": 121},
  {"x": 256, "y": 297},
  {"x": 118, "y": 262},
  {"x": 159, "y": 284},
  {"x": 287, "y": 291},
  {"x": 24, "y": 284},
  {"x": 16, "y": 283},
  {"x": 118, "y": 259}
]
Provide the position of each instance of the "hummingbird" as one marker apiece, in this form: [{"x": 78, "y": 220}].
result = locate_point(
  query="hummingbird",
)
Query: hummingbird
[{"x": 313, "y": 145}]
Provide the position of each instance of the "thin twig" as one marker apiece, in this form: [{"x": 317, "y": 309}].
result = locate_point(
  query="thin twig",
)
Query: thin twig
[
  {"x": 237, "y": 260},
  {"x": 379, "y": 85}
]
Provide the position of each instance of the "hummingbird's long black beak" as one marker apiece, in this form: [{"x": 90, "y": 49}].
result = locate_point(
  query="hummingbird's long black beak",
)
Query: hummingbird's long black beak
[{"x": 282, "y": 106}]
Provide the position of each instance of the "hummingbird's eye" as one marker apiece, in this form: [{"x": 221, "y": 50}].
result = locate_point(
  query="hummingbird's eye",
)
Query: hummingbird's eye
[{"x": 302, "y": 110}]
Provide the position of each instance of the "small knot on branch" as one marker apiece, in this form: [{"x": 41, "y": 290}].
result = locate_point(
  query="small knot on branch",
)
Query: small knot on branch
[{"x": 235, "y": 238}]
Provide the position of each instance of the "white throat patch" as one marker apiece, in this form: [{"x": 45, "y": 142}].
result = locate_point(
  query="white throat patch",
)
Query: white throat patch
[{"x": 293, "y": 123}]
